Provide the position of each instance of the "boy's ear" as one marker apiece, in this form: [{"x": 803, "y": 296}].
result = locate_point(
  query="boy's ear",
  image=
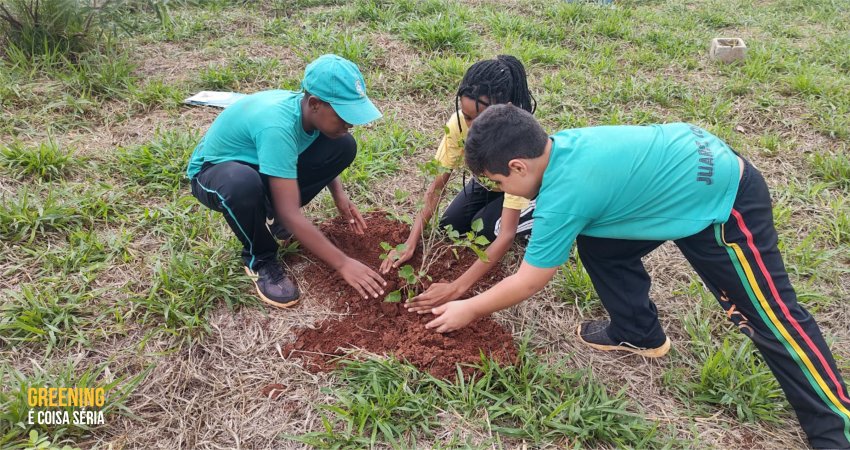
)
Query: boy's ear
[
  {"x": 313, "y": 103},
  {"x": 518, "y": 165}
]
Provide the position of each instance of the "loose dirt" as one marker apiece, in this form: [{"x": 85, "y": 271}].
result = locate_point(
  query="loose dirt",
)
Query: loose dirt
[{"x": 388, "y": 328}]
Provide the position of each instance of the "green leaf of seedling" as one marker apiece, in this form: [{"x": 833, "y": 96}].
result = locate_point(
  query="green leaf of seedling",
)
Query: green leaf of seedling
[
  {"x": 393, "y": 297},
  {"x": 386, "y": 246},
  {"x": 481, "y": 255},
  {"x": 477, "y": 225},
  {"x": 481, "y": 240},
  {"x": 405, "y": 271}
]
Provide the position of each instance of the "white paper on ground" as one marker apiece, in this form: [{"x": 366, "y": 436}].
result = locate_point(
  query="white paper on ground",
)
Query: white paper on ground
[{"x": 214, "y": 98}]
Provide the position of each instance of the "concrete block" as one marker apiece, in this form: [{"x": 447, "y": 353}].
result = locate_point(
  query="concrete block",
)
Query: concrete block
[{"x": 728, "y": 49}]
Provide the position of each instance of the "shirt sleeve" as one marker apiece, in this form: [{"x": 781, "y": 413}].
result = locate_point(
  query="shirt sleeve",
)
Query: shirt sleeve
[
  {"x": 277, "y": 153},
  {"x": 515, "y": 202},
  {"x": 552, "y": 237},
  {"x": 450, "y": 152}
]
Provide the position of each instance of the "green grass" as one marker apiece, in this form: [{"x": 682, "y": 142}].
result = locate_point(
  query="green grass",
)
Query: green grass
[
  {"x": 384, "y": 401},
  {"x": 118, "y": 383},
  {"x": 44, "y": 314},
  {"x": 156, "y": 93},
  {"x": 24, "y": 217},
  {"x": 47, "y": 161},
  {"x": 160, "y": 165},
  {"x": 441, "y": 33},
  {"x": 186, "y": 286},
  {"x": 104, "y": 241},
  {"x": 726, "y": 371},
  {"x": 573, "y": 285},
  {"x": 439, "y": 76},
  {"x": 381, "y": 152},
  {"x": 832, "y": 168}
]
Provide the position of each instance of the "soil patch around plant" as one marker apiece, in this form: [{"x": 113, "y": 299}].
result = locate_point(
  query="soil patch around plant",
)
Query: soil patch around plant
[{"x": 388, "y": 328}]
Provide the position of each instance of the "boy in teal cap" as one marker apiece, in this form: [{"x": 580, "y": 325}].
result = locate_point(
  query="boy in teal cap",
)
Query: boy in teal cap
[
  {"x": 619, "y": 192},
  {"x": 269, "y": 154}
]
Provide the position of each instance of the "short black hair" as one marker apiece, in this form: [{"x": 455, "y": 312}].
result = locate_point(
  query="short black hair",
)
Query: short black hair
[{"x": 502, "y": 133}]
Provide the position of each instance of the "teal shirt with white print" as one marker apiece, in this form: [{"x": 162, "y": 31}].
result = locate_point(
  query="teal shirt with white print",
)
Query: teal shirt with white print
[
  {"x": 263, "y": 129},
  {"x": 656, "y": 182}
]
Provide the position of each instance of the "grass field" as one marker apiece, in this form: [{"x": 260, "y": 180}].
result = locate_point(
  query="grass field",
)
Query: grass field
[{"x": 112, "y": 275}]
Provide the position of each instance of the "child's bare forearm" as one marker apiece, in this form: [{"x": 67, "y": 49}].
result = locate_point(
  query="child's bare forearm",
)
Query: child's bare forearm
[
  {"x": 336, "y": 190},
  {"x": 312, "y": 239},
  {"x": 431, "y": 199},
  {"x": 526, "y": 282}
]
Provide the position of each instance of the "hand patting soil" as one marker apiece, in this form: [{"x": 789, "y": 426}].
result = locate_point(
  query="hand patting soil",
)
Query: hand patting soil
[{"x": 387, "y": 328}]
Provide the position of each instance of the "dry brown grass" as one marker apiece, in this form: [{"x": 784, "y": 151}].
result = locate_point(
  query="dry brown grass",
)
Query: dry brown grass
[{"x": 208, "y": 394}]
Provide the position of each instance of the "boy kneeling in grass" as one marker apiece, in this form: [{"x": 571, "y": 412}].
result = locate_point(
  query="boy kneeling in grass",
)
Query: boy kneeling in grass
[
  {"x": 620, "y": 192},
  {"x": 269, "y": 154}
]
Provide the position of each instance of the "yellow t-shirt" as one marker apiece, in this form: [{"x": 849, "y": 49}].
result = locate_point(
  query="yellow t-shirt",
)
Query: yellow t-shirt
[{"x": 450, "y": 156}]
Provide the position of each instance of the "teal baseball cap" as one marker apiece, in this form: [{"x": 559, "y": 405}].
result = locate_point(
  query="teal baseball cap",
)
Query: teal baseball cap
[{"x": 339, "y": 82}]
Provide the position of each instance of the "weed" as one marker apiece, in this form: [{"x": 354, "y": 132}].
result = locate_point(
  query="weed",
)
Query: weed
[
  {"x": 22, "y": 218},
  {"x": 735, "y": 378},
  {"x": 14, "y": 428},
  {"x": 160, "y": 165},
  {"x": 440, "y": 76},
  {"x": 832, "y": 168},
  {"x": 87, "y": 253},
  {"x": 48, "y": 161},
  {"x": 39, "y": 313},
  {"x": 378, "y": 401},
  {"x": 441, "y": 33},
  {"x": 380, "y": 152},
  {"x": 46, "y": 26},
  {"x": 382, "y": 400},
  {"x": 102, "y": 75},
  {"x": 730, "y": 375},
  {"x": 839, "y": 225},
  {"x": 217, "y": 78},
  {"x": 573, "y": 284},
  {"x": 186, "y": 286},
  {"x": 156, "y": 93}
]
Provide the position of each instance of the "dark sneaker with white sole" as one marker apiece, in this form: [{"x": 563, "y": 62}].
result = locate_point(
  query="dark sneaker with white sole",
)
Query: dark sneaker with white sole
[
  {"x": 277, "y": 230},
  {"x": 594, "y": 333},
  {"x": 273, "y": 286}
]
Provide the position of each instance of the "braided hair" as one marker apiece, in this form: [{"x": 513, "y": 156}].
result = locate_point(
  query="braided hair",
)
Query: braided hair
[{"x": 501, "y": 79}]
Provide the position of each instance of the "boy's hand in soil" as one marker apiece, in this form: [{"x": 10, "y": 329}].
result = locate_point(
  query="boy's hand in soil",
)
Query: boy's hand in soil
[
  {"x": 396, "y": 259},
  {"x": 435, "y": 295},
  {"x": 452, "y": 316},
  {"x": 526, "y": 282},
  {"x": 346, "y": 207},
  {"x": 365, "y": 280},
  {"x": 349, "y": 212}
]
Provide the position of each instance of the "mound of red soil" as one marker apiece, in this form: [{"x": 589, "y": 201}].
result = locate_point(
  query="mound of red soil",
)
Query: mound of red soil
[{"x": 387, "y": 328}]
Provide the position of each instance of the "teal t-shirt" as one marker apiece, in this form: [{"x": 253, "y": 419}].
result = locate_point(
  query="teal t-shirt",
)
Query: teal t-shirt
[
  {"x": 263, "y": 129},
  {"x": 657, "y": 182}
]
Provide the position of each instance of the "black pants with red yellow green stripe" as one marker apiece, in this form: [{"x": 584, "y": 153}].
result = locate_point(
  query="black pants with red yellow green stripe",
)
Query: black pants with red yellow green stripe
[{"x": 740, "y": 263}]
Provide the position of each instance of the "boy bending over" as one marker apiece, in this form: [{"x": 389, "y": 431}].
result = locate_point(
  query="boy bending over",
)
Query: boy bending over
[{"x": 620, "y": 192}]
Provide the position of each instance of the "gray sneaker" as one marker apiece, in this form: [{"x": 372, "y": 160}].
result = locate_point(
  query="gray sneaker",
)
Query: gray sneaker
[
  {"x": 273, "y": 286},
  {"x": 594, "y": 333}
]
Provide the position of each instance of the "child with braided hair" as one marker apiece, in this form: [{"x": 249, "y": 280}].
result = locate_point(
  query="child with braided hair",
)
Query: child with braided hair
[{"x": 504, "y": 217}]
